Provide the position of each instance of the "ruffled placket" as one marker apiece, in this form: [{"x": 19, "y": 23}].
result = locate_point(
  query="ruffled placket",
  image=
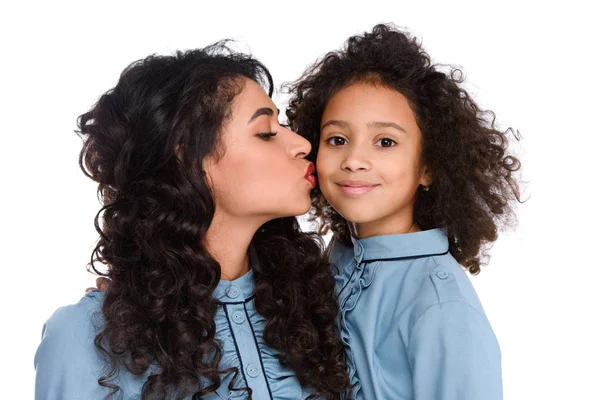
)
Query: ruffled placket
[{"x": 360, "y": 276}]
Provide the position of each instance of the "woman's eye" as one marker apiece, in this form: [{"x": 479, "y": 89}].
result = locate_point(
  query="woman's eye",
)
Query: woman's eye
[
  {"x": 336, "y": 141},
  {"x": 386, "y": 142},
  {"x": 266, "y": 135}
]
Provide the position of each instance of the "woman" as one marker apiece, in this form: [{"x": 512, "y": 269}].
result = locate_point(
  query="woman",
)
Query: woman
[{"x": 215, "y": 292}]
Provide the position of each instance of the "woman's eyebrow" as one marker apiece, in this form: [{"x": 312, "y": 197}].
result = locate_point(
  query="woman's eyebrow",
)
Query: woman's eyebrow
[{"x": 263, "y": 111}]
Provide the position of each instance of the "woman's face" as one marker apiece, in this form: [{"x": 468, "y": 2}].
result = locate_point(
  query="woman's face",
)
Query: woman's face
[{"x": 262, "y": 171}]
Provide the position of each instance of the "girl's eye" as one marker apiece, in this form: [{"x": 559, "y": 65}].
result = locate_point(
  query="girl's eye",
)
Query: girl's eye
[
  {"x": 266, "y": 136},
  {"x": 386, "y": 142},
  {"x": 336, "y": 141}
]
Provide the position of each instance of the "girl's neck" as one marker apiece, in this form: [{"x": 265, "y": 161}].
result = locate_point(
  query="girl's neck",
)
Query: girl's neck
[{"x": 390, "y": 225}]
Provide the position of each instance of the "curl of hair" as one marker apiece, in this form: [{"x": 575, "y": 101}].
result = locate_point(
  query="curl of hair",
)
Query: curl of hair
[
  {"x": 144, "y": 142},
  {"x": 473, "y": 173}
]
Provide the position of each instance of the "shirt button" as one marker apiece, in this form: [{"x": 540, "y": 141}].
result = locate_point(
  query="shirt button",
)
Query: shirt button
[
  {"x": 442, "y": 275},
  {"x": 252, "y": 371},
  {"x": 238, "y": 317},
  {"x": 233, "y": 292}
]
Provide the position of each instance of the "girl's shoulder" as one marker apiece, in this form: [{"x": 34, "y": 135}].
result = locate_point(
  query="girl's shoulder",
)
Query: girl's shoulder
[{"x": 441, "y": 283}]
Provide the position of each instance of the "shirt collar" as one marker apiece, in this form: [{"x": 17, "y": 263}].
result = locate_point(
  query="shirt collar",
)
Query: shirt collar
[
  {"x": 236, "y": 291},
  {"x": 405, "y": 245}
]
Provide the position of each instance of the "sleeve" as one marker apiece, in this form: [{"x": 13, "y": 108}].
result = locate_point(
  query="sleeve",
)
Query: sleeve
[
  {"x": 67, "y": 363},
  {"x": 454, "y": 354}
]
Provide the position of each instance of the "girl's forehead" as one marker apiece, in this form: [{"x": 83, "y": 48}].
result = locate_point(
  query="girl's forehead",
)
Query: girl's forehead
[{"x": 373, "y": 106}]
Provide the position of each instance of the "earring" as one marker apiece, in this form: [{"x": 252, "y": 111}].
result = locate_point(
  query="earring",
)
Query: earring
[{"x": 426, "y": 188}]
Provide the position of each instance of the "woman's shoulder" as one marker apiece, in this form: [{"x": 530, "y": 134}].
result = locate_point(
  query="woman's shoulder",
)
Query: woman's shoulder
[
  {"x": 67, "y": 362},
  {"x": 70, "y": 331},
  {"x": 82, "y": 320}
]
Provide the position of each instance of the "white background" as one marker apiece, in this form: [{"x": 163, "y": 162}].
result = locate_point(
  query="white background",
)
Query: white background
[{"x": 534, "y": 64}]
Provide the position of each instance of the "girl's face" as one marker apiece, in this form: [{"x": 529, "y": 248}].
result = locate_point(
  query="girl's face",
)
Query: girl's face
[
  {"x": 262, "y": 172},
  {"x": 369, "y": 165}
]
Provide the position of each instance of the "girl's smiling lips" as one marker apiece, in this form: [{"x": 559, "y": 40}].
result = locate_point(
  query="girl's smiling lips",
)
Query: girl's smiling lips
[{"x": 356, "y": 188}]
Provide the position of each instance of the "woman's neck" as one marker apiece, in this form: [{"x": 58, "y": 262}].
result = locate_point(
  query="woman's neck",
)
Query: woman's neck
[{"x": 227, "y": 240}]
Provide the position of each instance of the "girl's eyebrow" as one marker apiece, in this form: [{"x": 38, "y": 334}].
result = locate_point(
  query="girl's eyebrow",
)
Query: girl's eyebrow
[
  {"x": 379, "y": 124},
  {"x": 372, "y": 124},
  {"x": 335, "y": 122}
]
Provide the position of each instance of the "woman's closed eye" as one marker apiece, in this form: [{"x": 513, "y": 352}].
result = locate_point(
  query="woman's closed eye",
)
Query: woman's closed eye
[{"x": 266, "y": 136}]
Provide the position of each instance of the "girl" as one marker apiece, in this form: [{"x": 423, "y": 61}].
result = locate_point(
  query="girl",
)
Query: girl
[
  {"x": 414, "y": 181},
  {"x": 215, "y": 293}
]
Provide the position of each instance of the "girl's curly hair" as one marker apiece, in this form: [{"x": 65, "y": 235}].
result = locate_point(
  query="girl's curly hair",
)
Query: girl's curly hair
[
  {"x": 473, "y": 174},
  {"x": 144, "y": 142}
]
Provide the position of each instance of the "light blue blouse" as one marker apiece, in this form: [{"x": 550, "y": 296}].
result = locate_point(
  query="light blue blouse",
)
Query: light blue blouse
[
  {"x": 412, "y": 323},
  {"x": 68, "y": 365}
]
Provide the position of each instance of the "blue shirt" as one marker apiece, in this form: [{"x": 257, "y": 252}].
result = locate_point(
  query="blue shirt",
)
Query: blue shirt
[
  {"x": 412, "y": 323},
  {"x": 68, "y": 364}
]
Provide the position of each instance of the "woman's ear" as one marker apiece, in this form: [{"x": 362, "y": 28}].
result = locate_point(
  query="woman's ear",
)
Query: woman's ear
[{"x": 179, "y": 152}]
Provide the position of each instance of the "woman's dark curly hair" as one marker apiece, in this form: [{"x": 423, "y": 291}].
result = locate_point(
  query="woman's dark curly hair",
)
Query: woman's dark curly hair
[
  {"x": 473, "y": 173},
  {"x": 144, "y": 142}
]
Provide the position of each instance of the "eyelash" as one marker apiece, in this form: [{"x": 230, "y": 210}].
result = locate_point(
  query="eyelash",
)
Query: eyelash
[
  {"x": 333, "y": 138},
  {"x": 266, "y": 136},
  {"x": 393, "y": 141}
]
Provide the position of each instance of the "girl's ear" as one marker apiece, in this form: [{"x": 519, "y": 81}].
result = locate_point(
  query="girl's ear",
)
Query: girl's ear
[{"x": 426, "y": 176}]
